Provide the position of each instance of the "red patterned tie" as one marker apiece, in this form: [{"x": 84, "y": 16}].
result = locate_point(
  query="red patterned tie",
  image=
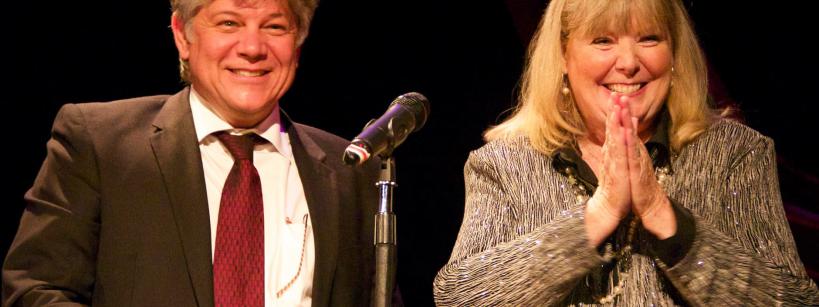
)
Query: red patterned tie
[{"x": 238, "y": 262}]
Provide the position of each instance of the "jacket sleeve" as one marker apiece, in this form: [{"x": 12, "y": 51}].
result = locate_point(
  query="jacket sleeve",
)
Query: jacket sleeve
[
  {"x": 52, "y": 259},
  {"x": 494, "y": 262},
  {"x": 743, "y": 253}
]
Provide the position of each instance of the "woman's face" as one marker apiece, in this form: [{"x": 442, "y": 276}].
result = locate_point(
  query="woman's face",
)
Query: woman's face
[{"x": 635, "y": 64}]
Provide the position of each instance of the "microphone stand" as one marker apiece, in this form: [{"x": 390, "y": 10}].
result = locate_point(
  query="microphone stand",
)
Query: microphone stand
[{"x": 385, "y": 233}]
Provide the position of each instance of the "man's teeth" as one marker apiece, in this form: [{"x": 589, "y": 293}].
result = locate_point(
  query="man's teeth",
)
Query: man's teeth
[
  {"x": 248, "y": 73},
  {"x": 624, "y": 88}
]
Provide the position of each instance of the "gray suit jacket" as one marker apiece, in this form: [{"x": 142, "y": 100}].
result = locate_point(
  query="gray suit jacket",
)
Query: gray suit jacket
[{"x": 118, "y": 215}]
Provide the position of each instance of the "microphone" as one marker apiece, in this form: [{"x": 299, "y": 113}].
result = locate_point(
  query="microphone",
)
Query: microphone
[{"x": 406, "y": 114}]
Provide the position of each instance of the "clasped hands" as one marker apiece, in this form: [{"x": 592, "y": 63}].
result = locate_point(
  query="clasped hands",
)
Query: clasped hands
[{"x": 626, "y": 181}]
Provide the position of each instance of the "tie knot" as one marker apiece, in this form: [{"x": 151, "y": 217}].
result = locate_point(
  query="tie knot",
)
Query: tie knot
[{"x": 239, "y": 146}]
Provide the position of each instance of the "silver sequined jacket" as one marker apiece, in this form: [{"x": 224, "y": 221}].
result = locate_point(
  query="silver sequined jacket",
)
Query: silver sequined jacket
[{"x": 523, "y": 241}]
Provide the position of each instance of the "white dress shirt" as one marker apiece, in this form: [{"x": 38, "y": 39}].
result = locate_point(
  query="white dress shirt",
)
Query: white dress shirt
[{"x": 283, "y": 197}]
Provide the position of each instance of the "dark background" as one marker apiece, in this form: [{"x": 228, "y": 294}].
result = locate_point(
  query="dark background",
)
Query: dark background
[{"x": 465, "y": 56}]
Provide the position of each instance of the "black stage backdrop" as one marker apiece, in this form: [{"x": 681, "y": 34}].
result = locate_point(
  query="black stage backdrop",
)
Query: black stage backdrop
[{"x": 465, "y": 56}]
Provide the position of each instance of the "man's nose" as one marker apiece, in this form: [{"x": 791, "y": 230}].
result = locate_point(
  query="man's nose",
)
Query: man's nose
[{"x": 251, "y": 45}]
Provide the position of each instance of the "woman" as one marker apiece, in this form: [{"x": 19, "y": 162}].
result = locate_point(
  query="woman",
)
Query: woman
[{"x": 615, "y": 183}]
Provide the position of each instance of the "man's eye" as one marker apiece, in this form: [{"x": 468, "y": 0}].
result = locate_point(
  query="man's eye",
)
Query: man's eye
[
  {"x": 277, "y": 29},
  {"x": 228, "y": 23}
]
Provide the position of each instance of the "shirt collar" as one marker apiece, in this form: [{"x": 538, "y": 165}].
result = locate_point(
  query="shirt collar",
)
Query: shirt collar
[
  {"x": 657, "y": 145},
  {"x": 206, "y": 122}
]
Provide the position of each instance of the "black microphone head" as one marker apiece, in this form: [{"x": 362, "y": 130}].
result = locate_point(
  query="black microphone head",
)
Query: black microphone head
[{"x": 418, "y": 106}]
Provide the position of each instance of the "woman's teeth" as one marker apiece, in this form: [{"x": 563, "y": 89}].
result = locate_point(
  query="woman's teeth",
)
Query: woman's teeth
[{"x": 624, "y": 88}]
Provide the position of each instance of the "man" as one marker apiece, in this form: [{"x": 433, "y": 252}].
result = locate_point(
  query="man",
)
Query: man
[{"x": 147, "y": 201}]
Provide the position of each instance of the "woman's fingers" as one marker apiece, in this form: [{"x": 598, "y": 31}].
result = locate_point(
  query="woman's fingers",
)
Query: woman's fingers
[
  {"x": 615, "y": 132},
  {"x": 647, "y": 196},
  {"x": 648, "y": 199},
  {"x": 610, "y": 202},
  {"x": 640, "y": 169},
  {"x": 614, "y": 191}
]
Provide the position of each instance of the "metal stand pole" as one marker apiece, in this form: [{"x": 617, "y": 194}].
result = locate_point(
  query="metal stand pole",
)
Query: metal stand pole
[{"x": 385, "y": 237}]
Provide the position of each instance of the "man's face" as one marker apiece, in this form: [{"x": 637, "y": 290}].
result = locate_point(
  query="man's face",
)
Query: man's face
[{"x": 242, "y": 56}]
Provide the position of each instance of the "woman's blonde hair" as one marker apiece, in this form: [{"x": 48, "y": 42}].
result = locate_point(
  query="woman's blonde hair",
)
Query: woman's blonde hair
[{"x": 551, "y": 120}]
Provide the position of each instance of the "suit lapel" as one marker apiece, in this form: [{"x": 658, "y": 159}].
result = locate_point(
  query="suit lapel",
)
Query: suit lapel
[
  {"x": 320, "y": 190},
  {"x": 177, "y": 153}
]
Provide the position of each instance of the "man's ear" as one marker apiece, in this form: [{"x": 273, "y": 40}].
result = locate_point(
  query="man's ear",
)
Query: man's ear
[
  {"x": 180, "y": 37},
  {"x": 298, "y": 55}
]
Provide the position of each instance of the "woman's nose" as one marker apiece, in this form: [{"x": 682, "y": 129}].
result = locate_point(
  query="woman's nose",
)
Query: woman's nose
[{"x": 627, "y": 62}]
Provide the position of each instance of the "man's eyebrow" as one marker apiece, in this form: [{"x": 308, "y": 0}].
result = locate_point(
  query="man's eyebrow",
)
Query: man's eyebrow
[{"x": 233, "y": 13}]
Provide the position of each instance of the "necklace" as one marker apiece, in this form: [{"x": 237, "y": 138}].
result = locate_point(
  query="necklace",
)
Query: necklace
[{"x": 622, "y": 256}]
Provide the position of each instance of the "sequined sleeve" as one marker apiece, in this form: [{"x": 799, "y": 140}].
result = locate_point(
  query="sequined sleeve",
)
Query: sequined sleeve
[
  {"x": 743, "y": 253},
  {"x": 496, "y": 263},
  {"x": 523, "y": 242}
]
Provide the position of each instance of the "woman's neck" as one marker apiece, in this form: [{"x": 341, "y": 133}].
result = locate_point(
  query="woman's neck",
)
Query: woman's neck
[{"x": 592, "y": 153}]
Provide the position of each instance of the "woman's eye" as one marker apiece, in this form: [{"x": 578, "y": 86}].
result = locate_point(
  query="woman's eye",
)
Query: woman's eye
[
  {"x": 650, "y": 39},
  {"x": 602, "y": 41}
]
